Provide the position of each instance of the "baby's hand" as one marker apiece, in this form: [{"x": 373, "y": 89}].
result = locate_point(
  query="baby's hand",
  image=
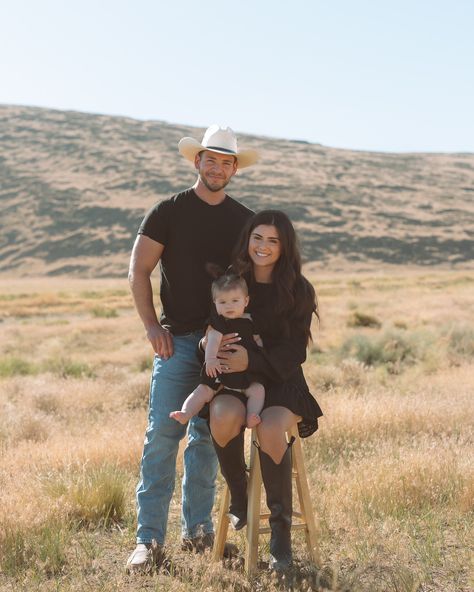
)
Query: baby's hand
[{"x": 213, "y": 367}]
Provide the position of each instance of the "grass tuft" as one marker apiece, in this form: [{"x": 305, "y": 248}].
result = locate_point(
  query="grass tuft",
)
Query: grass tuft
[
  {"x": 47, "y": 403},
  {"x": 31, "y": 429},
  {"x": 95, "y": 497},
  {"x": 146, "y": 363},
  {"x": 39, "y": 549}
]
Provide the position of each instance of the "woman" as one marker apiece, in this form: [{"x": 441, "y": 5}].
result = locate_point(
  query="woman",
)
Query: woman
[{"x": 282, "y": 303}]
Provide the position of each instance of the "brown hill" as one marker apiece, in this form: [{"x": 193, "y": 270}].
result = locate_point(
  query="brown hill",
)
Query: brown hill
[{"x": 74, "y": 188}]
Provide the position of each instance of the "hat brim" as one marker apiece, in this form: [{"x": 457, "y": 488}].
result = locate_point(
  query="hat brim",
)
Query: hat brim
[{"x": 189, "y": 147}]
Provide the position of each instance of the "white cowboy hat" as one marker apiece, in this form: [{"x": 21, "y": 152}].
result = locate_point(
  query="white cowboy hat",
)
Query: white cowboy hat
[{"x": 221, "y": 140}]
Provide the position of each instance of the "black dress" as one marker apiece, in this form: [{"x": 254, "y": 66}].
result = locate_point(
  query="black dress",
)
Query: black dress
[{"x": 279, "y": 361}]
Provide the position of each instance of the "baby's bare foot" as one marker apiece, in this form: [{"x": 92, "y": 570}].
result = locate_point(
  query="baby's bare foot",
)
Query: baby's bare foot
[
  {"x": 180, "y": 416},
  {"x": 253, "y": 420}
]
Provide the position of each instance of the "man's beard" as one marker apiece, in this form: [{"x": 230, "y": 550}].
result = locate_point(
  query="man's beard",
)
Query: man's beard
[{"x": 216, "y": 186}]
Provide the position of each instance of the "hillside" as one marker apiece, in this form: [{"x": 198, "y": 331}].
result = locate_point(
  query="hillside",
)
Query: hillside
[{"x": 74, "y": 188}]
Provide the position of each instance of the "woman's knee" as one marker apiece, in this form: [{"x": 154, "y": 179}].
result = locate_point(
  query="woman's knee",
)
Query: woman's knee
[
  {"x": 272, "y": 431},
  {"x": 226, "y": 420}
]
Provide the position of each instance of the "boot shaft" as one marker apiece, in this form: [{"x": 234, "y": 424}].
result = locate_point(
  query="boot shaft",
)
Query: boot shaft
[
  {"x": 277, "y": 480},
  {"x": 233, "y": 468}
]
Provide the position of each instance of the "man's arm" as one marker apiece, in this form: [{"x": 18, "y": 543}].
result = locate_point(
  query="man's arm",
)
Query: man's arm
[{"x": 146, "y": 254}]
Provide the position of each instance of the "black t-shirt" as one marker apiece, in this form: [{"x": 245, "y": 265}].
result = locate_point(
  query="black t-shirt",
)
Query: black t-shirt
[{"x": 193, "y": 233}]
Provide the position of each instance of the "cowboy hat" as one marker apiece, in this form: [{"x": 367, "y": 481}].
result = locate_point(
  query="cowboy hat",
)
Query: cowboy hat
[{"x": 221, "y": 140}]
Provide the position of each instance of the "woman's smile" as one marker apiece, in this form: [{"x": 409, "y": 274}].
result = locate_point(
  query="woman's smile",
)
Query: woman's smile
[{"x": 264, "y": 248}]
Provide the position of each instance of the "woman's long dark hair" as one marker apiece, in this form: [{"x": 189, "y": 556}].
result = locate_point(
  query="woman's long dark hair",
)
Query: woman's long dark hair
[{"x": 295, "y": 296}]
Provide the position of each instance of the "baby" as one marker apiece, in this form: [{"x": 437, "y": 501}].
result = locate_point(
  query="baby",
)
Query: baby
[{"x": 230, "y": 296}]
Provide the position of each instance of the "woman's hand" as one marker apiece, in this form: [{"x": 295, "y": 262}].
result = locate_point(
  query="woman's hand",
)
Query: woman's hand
[{"x": 235, "y": 360}]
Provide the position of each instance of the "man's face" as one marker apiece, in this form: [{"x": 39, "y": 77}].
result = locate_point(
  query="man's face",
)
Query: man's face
[{"x": 215, "y": 170}]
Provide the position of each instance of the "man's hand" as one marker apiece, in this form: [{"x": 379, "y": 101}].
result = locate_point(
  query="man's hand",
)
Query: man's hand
[
  {"x": 161, "y": 341},
  {"x": 235, "y": 360}
]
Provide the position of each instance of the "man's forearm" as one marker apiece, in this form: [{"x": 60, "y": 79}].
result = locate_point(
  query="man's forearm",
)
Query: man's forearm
[{"x": 142, "y": 292}]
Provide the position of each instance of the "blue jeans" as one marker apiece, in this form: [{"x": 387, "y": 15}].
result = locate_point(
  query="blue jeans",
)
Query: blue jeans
[{"x": 172, "y": 381}]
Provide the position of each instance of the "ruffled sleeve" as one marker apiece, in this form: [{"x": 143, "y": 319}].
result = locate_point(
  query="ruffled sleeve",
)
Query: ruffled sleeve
[
  {"x": 281, "y": 357},
  {"x": 217, "y": 322}
]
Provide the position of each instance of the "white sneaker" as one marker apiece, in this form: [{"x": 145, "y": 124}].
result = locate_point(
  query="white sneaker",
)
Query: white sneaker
[{"x": 144, "y": 557}]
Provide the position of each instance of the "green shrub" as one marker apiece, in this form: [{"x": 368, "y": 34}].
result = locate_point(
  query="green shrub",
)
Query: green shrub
[
  {"x": 461, "y": 342},
  {"x": 104, "y": 313},
  {"x": 361, "y": 319},
  {"x": 392, "y": 349},
  {"x": 66, "y": 368},
  {"x": 13, "y": 366}
]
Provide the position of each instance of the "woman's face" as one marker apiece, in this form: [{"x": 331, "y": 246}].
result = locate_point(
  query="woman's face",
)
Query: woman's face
[{"x": 264, "y": 246}]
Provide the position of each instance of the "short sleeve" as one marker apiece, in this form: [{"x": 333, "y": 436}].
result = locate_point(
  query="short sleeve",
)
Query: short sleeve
[
  {"x": 156, "y": 223},
  {"x": 218, "y": 322}
]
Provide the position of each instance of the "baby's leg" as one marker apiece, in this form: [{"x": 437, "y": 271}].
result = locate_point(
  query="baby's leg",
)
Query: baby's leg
[
  {"x": 255, "y": 394},
  {"x": 201, "y": 395}
]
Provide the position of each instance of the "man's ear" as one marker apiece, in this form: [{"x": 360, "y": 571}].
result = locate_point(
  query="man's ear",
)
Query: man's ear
[{"x": 197, "y": 161}]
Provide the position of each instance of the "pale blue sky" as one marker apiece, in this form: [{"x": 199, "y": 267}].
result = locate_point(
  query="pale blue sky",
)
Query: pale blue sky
[{"x": 369, "y": 75}]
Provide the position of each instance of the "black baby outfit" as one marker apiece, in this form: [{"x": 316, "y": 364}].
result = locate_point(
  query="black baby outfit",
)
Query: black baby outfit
[{"x": 245, "y": 328}]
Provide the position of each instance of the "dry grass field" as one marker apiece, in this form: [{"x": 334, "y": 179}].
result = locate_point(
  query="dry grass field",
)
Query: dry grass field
[{"x": 391, "y": 469}]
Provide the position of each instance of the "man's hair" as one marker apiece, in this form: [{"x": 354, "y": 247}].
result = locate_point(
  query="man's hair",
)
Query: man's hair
[{"x": 227, "y": 282}]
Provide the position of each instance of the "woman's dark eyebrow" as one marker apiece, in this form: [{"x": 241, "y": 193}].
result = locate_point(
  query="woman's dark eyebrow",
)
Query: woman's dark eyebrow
[{"x": 260, "y": 236}]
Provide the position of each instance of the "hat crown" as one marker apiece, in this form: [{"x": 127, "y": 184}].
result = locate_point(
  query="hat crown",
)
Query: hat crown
[{"x": 221, "y": 138}]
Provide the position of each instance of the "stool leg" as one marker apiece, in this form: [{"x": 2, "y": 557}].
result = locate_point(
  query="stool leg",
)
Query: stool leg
[
  {"x": 222, "y": 526},
  {"x": 305, "y": 500},
  {"x": 253, "y": 511}
]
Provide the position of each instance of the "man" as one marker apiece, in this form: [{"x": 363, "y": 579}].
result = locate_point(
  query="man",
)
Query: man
[{"x": 184, "y": 233}]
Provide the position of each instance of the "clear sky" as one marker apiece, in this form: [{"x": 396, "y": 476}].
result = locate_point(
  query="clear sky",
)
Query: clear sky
[{"x": 365, "y": 74}]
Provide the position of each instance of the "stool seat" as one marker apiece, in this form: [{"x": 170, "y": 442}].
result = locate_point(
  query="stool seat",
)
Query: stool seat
[{"x": 305, "y": 515}]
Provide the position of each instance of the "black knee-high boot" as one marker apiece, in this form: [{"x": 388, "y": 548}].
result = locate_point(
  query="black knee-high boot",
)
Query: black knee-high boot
[
  {"x": 232, "y": 462},
  {"x": 278, "y": 487}
]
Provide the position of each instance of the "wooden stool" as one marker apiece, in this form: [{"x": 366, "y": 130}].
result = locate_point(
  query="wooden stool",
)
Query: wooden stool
[{"x": 254, "y": 516}]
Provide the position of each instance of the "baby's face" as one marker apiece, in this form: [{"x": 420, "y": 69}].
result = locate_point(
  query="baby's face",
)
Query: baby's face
[{"x": 231, "y": 303}]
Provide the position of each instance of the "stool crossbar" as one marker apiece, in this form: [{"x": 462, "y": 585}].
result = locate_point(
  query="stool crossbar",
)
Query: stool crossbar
[{"x": 305, "y": 516}]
